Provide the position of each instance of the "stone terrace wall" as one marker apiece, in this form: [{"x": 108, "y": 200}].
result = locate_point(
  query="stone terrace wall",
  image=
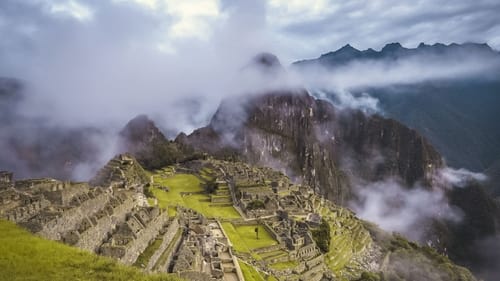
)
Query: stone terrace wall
[
  {"x": 44, "y": 184},
  {"x": 23, "y": 213},
  {"x": 63, "y": 193},
  {"x": 139, "y": 244},
  {"x": 71, "y": 218},
  {"x": 167, "y": 239},
  {"x": 95, "y": 236}
]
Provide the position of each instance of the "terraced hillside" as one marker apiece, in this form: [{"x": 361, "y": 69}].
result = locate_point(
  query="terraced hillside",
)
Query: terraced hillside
[
  {"x": 270, "y": 224},
  {"x": 28, "y": 257},
  {"x": 201, "y": 220}
]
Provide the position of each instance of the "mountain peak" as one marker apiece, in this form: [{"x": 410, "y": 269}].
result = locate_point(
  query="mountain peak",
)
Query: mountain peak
[
  {"x": 348, "y": 54},
  {"x": 392, "y": 47},
  {"x": 343, "y": 53},
  {"x": 267, "y": 61},
  {"x": 422, "y": 45},
  {"x": 347, "y": 47}
]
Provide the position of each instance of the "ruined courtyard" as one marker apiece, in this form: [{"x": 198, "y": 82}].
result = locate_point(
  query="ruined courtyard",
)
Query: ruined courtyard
[{"x": 201, "y": 220}]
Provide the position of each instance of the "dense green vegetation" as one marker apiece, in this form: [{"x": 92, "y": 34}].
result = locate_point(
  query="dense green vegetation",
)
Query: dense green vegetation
[
  {"x": 28, "y": 257},
  {"x": 406, "y": 260},
  {"x": 322, "y": 236},
  {"x": 256, "y": 204},
  {"x": 369, "y": 276},
  {"x": 347, "y": 238}
]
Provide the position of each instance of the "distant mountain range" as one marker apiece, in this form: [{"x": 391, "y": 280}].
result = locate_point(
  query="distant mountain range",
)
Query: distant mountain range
[
  {"x": 395, "y": 51},
  {"x": 458, "y": 115}
]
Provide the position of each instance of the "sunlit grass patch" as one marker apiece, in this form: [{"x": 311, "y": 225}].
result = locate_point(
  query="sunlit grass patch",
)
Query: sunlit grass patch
[
  {"x": 284, "y": 265},
  {"x": 24, "y": 256},
  {"x": 186, "y": 190},
  {"x": 244, "y": 238},
  {"x": 249, "y": 273}
]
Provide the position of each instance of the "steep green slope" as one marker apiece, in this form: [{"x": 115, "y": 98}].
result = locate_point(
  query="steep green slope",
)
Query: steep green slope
[
  {"x": 405, "y": 260},
  {"x": 28, "y": 257}
]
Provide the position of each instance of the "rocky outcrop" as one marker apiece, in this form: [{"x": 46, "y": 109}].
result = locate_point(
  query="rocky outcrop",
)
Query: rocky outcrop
[
  {"x": 141, "y": 138},
  {"x": 312, "y": 141},
  {"x": 121, "y": 171}
]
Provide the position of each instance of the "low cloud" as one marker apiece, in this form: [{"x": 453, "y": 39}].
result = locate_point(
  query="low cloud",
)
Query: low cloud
[
  {"x": 345, "y": 99},
  {"x": 459, "y": 177},
  {"x": 344, "y": 84},
  {"x": 395, "y": 207}
]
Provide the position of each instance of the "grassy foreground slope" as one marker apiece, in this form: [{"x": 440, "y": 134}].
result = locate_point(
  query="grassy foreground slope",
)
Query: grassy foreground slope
[{"x": 24, "y": 256}]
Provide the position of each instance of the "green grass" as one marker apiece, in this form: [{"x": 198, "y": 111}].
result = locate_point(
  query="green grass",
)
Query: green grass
[
  {"x": 27, "y": 257},
  {"x": 207, "y": 174},
  {"x": 249, "y": 273},
  {"x": 196, "y": 201},
  {"x": 273, "y": 254},
  {"x": 244, "y": 239},
  {"x": 143, "y": 259},
  {"x": 283, "y": 265},
  {"x": 343, "y": 243}
]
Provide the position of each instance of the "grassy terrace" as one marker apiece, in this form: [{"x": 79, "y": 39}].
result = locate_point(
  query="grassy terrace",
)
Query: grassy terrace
[
  {"x": 197, "y": 201},
  {"x": 283, "y": 265},
  {"x": 273, "y": 254},
  {"x": 344, "y": 244},
  {"x": 143, "y": 259},
  {"x": 244, "y": 239},
  {"x": 27, "y": 257},
  {"x": 164, "y": 256},
  {"x": 250, "y": 273}
]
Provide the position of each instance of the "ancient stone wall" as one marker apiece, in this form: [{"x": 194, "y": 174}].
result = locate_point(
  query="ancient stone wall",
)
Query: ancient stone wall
[
  {"x": 313, "y": 274},
  {"x": 307, "y": 251},
  {"x": 46, "y": 184},
  {"x": 315, "y": 261},
  {"x": 25, "y": 212},
  {"x": 70, "y": 219},
  {"x": 268, "y": 249},
  {"x": 167, "y": 239},
  {"x": 194, "y": 276},
  {"x": 6, "y": 180},
  {"x": 138, "y": 245},
  {"x": 63, "y": 193},
  {"x": 177, "y": 244},
  {"x": 92, "y": 238}
]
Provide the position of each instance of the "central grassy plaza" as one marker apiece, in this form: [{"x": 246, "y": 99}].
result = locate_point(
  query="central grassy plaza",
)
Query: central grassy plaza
[{"x": 186, "y": 190}]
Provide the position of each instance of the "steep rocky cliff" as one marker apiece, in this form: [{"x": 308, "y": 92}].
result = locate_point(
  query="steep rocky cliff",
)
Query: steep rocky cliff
[
  {"x": 309, "y": 139},
  {"x": 146, "y": 142}
]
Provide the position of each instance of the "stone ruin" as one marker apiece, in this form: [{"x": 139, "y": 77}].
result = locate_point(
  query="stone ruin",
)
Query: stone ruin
[
  {"x": 132, "y": 236},
  {"x": 6, "y": 180},
  {"x": 205, "y": 252},
  {"x": 122, "y": 171},
  {"x": 280, "y": 201},
  {"x": 114, "y": 219},
  {"x": 260, "y": 192},
  {"x": 105, "y": 220}
]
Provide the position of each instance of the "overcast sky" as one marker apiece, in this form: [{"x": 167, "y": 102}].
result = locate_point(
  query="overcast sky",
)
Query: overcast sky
[
  {"x": 176, "y": 59},
  {"x": 101, "y": 62},
  {"x": 293, "y": 29}
]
